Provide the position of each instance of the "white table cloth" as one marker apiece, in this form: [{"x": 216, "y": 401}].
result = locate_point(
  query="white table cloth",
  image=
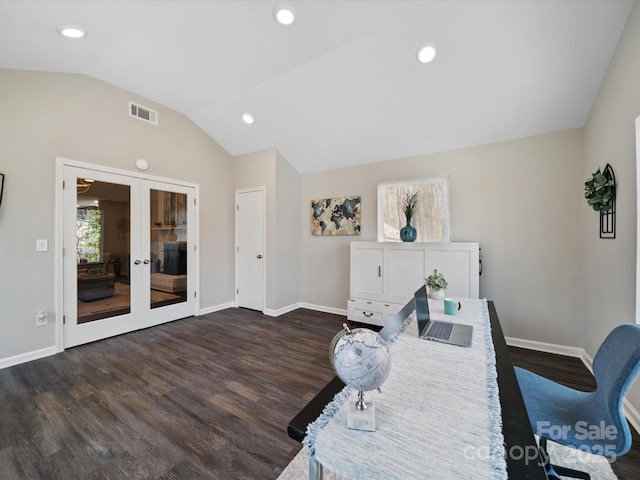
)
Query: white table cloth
[{"x": 438, "y": 415}]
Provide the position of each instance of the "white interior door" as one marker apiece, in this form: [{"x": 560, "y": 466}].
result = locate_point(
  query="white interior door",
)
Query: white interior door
[
  {"x": 129, "y": 258},
  {"x": 250, "y": 245}
]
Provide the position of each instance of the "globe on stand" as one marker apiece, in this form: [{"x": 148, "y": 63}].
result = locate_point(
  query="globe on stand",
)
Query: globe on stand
[{"x": 361, "y": 358}]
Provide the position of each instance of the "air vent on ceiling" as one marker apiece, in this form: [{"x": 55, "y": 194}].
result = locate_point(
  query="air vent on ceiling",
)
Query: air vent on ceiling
[{"x": 143, "y": 113}]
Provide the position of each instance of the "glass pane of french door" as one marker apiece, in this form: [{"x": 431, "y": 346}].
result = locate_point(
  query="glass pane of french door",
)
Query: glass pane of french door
[
  {"x": 101, "y": 236},
  {"x": 102, "y": 249},
  {"x": 169, "y": 240}
]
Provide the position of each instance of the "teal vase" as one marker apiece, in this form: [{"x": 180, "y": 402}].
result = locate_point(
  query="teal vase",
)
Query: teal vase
[{"x": 408, "y": 233}]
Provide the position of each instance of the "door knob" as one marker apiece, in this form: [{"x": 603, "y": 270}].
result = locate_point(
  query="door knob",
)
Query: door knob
[
  {"x": 258, "y": 256},
  {"x": 137, "y": 262}
]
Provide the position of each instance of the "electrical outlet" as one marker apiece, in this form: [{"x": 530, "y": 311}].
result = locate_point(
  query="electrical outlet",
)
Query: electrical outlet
[{"x": 41, "y": 318}]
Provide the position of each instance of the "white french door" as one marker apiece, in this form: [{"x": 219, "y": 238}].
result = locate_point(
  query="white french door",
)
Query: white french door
[{"x": 129, "y": 259}]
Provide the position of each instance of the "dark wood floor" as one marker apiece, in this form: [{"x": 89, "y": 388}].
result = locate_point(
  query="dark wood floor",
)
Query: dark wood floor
[{"x": 201, "y": 398}]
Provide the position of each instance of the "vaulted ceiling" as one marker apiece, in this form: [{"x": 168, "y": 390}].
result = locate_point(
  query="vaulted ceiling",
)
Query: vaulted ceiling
[{"x": 340, "y": 86}]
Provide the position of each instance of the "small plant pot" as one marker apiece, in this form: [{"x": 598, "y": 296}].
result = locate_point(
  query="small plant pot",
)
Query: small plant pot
[{"x": 436, "y": 294}]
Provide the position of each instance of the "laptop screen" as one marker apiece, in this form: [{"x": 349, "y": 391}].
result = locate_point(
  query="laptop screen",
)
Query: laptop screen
[{"x": 422, "y": 308}]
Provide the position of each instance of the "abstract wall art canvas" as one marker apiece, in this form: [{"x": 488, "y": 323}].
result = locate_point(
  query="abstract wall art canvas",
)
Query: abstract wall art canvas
[{"x": 335, "y": 216}]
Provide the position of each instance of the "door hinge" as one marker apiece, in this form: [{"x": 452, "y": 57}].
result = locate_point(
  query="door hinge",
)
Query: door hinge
[
  {"x": 195, "y": 248},
  {"x": 64, "y": 319},
  {"x": 63, "y": 184},
  {"x": 237, "y": 291},
  {"x": 237, "y": 249},
  {"x": 195, "y": 294},
  {"x": 64, "y": 252},
  {"x": 238, "y": 207},
  {"x": 194, "y": 201}
]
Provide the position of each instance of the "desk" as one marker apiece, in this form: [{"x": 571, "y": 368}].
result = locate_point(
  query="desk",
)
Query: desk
[{"x": 516, "y": 428}]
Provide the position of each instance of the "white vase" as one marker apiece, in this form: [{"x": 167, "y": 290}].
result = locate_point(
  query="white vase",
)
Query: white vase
[{"x": 436, "y": 294}]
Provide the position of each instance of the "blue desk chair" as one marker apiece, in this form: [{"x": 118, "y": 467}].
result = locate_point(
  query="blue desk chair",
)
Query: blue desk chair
[{"x": 588, "y": 421}]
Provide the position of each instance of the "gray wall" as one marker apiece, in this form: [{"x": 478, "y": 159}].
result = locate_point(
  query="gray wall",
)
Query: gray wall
[
  {"x": 259, "y": 170},
  {"x": 520, "y": 199},
  {"x": 49, "y": 115},
  {"x": 288, "y": 248},
  {"x": 610, "y": 265},
  {"x": 271, "y": 170}
]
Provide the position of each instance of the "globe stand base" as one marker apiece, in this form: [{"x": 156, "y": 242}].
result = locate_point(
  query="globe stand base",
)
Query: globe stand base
[{"x": 358, "y": 419}]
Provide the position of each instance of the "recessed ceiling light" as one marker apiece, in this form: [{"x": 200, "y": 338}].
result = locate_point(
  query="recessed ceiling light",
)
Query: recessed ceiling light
[
  {"x": 285, "y": 14},
  {"x": 247, "y": 118},
  {"x": 71, "y": 31},
  {"x": 426, "y": 53}
]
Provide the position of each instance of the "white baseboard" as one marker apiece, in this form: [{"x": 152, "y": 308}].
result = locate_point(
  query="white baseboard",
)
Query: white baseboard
[
  {"x": 632, "y": 414},
  {"x": 216, "y": 308},
  {"x": 27, "y": 357},
  {"x": 281, "y": 311},
  {"x": 546, "y": 347},
  {"x": 321, "y": 308},
  {"x": 309, "y": 306}
]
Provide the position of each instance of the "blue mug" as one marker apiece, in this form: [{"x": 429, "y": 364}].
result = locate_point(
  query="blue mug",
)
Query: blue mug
[{"x": 451, "y": 306}]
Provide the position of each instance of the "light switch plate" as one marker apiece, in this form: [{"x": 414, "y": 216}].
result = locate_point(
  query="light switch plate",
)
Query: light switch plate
[{"x": 42, "y": 245}]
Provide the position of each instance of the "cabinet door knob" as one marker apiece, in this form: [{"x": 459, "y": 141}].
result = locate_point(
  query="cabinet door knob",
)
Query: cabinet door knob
[
  {"x": 258, "y": 256},
  {"x": 146, "y": 261},
  {"x": 137, "y": 262}
]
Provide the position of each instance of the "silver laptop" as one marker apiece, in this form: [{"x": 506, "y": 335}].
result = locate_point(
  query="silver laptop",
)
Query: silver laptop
[{"x": 436, "y": 330}]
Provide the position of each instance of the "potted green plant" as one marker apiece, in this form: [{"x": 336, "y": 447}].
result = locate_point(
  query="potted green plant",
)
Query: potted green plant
[
  {"x": 408, "y": 205},
  {"x": 437, "y": 285},
  {"x": 599, "y": 190}
]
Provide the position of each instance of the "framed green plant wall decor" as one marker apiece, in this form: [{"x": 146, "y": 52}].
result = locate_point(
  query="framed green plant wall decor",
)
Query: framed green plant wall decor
[{"x": 600, "y": 192}]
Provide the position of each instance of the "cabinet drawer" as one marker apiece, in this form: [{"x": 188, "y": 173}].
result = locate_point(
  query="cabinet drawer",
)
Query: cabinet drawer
[
  {"x": 368, "y": 305},
  {"x": 390, "y": 309},
  {"x": 365, "y": 312}
]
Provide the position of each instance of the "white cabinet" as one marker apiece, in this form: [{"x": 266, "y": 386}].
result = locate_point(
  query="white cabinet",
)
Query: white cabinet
[
  {"x": 374, "y": 312},
  {"x": 403, "y": 272},
  {"x": 460, "y": 265},
  {"x": 384, "y": 276},
  {"x": 366, "y": 280}
]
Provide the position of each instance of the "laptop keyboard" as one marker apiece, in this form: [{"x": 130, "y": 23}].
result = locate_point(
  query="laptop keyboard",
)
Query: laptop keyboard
[{"x": 440, "y": 330}]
